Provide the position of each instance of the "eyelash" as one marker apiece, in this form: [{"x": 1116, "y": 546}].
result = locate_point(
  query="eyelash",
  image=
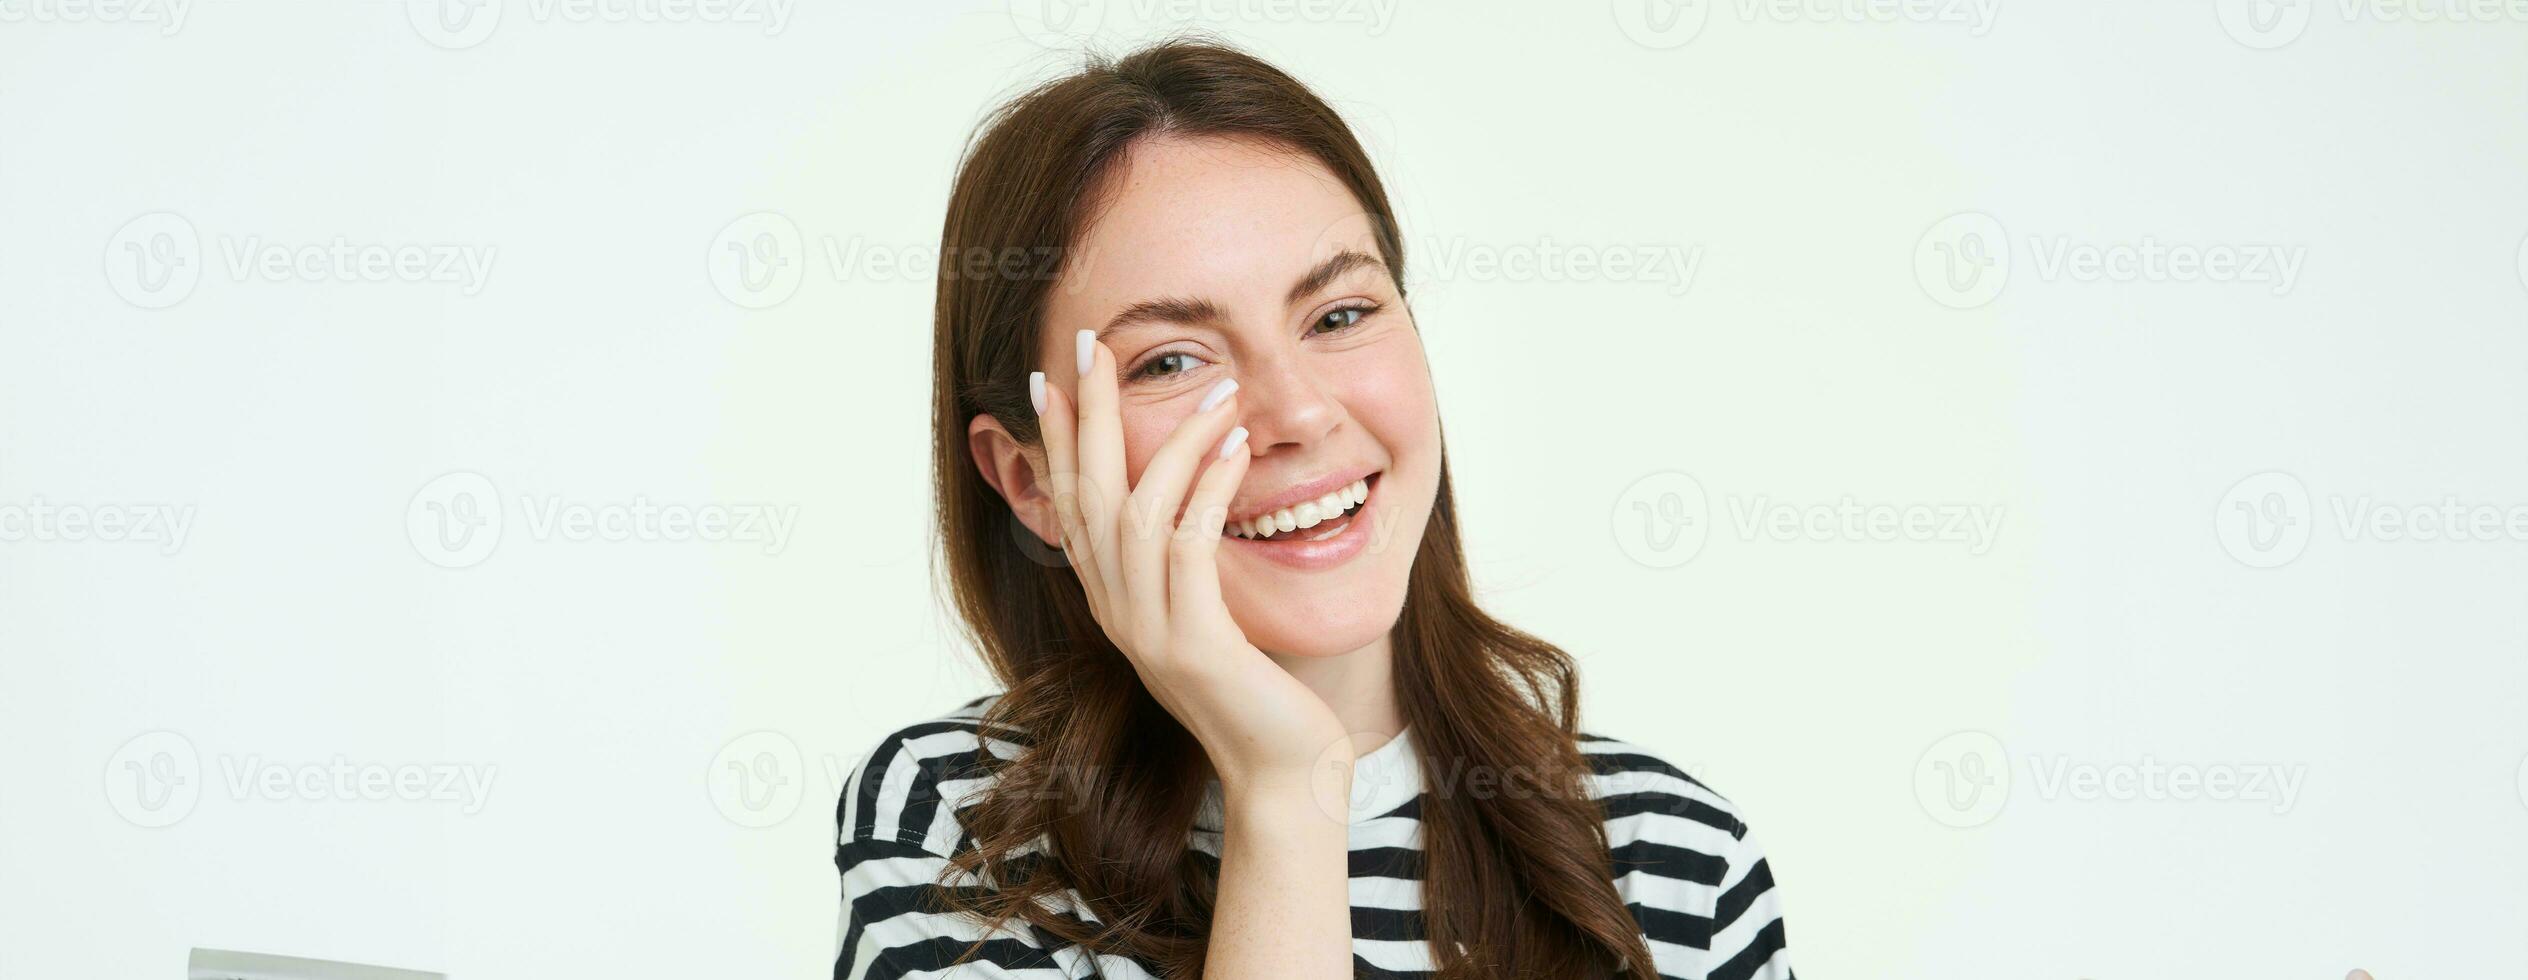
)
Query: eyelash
[{"x": 1362, "y": 311}]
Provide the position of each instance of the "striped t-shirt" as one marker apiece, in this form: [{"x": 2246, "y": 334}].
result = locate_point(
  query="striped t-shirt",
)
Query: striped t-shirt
[{"x": 1683, "y": 862}]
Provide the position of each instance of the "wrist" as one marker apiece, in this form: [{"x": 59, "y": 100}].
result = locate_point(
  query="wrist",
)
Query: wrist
[{"x": 1319, "y": 797}]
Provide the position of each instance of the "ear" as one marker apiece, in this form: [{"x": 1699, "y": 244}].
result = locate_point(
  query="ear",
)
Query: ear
[{"x": 1016, "y": 470}]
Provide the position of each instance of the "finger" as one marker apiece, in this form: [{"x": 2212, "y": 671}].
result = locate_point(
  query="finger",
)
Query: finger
[
  {"x": 1193, "y": 558},
  {"x": 1151, "y": 520},
  {"x": 1055, "y": 427},
  {"x": 1101, "y": 451}
]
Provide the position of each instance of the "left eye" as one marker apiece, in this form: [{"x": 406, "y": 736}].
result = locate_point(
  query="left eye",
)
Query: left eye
[
  {"x": 1341, "y": 319},
  {"x": 1175, "y": 362}
]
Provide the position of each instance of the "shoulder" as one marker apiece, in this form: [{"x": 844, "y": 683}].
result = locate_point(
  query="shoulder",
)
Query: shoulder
[
  {"x": 1687, "y": 864},
  {"x": 1631, "y": 779},
  {"x": 907, "y": 787}
]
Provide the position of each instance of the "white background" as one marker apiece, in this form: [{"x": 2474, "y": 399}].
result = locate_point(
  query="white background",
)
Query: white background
[{"x": 2144, "y": 603}]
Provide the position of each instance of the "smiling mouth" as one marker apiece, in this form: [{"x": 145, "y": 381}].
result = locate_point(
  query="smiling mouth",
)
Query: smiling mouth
[{"x": 1314, "y": 520}]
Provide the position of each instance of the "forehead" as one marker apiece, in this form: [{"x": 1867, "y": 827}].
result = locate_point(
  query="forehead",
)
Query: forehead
[{"x": 1231, "y": 220}]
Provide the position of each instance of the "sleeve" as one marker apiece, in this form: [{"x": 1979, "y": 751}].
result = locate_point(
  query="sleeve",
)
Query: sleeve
[
  {"x": 1687, "y": 867},
  {"x": 892, "y": 885},
  {"x": 1747, "y": 932}
]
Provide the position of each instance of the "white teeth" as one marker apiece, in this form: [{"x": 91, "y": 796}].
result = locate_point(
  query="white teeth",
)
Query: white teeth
[{"x": 1306, "y": 514}]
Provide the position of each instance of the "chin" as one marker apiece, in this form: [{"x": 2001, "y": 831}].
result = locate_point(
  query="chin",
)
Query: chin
[
  {"x": 1309, "y": 606},
  {"x": 1327, "y": 627}
]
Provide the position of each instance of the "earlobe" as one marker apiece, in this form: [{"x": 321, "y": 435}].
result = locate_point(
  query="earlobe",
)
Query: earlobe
[{"x": 1014, "y": 471}]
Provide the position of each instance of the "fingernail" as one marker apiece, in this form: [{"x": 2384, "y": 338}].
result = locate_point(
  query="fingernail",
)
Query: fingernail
[
  {"x": 1237, "y": 437},
  {"x": 1087, "y": 344},
  {"x": 1036, "y": 390},
  {"x": 1219, "y": 393}
]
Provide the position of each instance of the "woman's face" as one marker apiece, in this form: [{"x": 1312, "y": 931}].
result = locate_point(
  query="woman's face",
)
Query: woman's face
[{"x": 1207, "y": 259}]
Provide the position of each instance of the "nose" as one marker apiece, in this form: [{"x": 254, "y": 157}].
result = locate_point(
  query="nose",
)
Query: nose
[{"x": 1284, "y": 403}]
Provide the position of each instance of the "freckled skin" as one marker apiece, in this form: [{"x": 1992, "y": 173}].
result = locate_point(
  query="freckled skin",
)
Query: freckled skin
[{"x": 1239, "y": 223}]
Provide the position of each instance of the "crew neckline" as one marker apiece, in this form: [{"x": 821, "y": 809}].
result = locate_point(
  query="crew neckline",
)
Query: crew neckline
[{"x": 1382, "y": 780}]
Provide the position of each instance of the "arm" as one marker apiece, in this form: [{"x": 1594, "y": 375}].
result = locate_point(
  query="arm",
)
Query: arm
[
  {"x": 1285, "y": 896},
  {"x": 891, "y": 879}
]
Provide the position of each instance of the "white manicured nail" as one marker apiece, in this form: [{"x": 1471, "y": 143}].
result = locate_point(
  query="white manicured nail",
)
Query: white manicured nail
[
  {"x": 1219, "y": 393},
  {"x": 1088, "y": 351},
  {"x": 1036, "y": 390},
  {"x": 1237, "y": 437}
]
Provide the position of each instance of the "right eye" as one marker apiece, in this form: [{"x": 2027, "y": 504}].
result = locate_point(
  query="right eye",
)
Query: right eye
[{"x": 1164, "y": 365}]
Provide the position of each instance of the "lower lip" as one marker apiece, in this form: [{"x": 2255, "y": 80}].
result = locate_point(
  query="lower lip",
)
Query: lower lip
[{"x": 1295, "y": 551}]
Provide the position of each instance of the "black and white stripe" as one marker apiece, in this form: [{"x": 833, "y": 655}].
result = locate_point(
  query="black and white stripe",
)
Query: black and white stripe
[{"x": 1684, "y": 864}]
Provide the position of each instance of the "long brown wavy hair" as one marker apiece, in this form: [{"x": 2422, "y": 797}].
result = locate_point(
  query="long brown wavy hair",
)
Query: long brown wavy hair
[{"x": 1108, "y": 783}]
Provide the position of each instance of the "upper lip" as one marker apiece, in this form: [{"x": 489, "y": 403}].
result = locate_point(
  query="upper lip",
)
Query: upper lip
[{"x": 1299, "y": 494}]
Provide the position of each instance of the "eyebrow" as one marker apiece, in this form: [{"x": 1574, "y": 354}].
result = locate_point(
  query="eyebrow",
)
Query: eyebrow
[{"x": 1182, "y": 310}]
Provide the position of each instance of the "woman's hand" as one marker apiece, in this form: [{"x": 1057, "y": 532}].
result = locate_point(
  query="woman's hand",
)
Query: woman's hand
[{"x": 1154, "y": 583}]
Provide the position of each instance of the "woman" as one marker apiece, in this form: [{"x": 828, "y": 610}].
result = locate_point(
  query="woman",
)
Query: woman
[{"x": 1253, "y": 723}]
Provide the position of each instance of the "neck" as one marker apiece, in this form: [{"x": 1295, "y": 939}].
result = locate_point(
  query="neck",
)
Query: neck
[{"x": 1359, "y": 686}]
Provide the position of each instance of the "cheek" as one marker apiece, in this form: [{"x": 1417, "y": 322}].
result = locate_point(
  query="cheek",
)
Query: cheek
[
  {"x": 1390, "y": 395},
  {"x": 1145, "y": 430}
]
